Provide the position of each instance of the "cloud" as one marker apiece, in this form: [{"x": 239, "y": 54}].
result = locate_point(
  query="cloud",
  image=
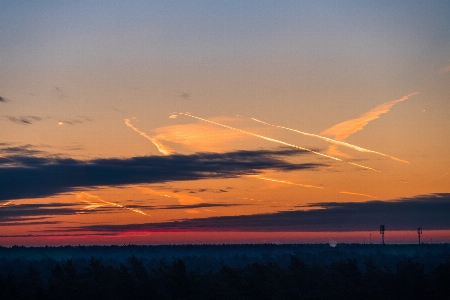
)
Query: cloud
[
  {"x": 36, "y": 213},
  {"x": 59, "y": 93},
  {"x": 24, "y": 120},
  {"x": 199, "y": 137},
  {"x": 20, "y": 150},
  {"x": 343, "y": 130},
  {"x": 2, "y": 99},
  {"x": 184, "y": 95},
  {"x": 428, "y": 211},
  {"x": 33, "y": 212},
  {"x": 24, "y": 176}
]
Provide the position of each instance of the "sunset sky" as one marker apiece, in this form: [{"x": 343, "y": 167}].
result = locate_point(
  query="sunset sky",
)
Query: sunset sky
[{"x": 132, "y": 122}]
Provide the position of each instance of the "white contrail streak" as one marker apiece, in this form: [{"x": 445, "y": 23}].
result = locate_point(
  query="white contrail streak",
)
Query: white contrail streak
[
  {"x": 276, "y": 141},
  {"x": 309, "y": 186},
  {"x": 291, "y": 183},
  {"x": 357, "y": 194},
  {"x": 440, "y": 176},
  {"x": 354, "y": 147},
  {"x": 161, "y": 148}
]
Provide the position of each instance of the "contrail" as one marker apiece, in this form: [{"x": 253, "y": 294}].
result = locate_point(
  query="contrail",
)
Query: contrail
[
  {"x": 92, "y": 205},
  {"x": 343, "y": 130},
  {"x": 291, "y": 183},
  {"x": 161, "y": 148},
  {"x": 276, "y": 141},
  {"x": 357, "y": 194},
  {"x": 4, "y": 204},
  {"x": 107, "y": 202},
  {"x": 440, "y": 176},
  {"x": 309, "y": 186},
  {"x": 354, "y": 147}
]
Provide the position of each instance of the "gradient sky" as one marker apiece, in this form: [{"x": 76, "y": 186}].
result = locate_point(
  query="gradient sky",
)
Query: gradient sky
[{"x": 224, "y": 121}]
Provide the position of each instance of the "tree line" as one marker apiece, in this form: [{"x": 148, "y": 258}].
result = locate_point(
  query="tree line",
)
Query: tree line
[{"x": 404, "y": 278}]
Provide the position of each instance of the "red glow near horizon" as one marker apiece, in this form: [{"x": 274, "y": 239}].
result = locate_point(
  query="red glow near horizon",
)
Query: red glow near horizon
[{"x": 229, "y": 237}]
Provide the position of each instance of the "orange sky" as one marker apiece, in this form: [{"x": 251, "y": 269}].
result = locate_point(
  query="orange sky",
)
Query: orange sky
[{"x": 121, "y": 123}]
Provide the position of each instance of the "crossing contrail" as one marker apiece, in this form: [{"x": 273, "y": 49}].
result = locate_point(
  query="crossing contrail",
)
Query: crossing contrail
[
  {"x": 161, "y": 148},
  {"x": 95, "y": 205},
  {"x": 341, "y": 143},
  {"x": 277, "y": 141}
]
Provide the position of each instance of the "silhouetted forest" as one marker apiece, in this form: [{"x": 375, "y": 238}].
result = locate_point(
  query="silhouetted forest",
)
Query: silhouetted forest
[{"x": 347, "y": 271}]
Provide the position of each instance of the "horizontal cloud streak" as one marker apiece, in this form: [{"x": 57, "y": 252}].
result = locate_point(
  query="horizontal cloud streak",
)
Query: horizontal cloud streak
[
  {"x": 429, "y": 212},
  {"x": 31, "y": 212},
  {"x": 24, "y": 120},
  {"x": 26, "y": 177}
]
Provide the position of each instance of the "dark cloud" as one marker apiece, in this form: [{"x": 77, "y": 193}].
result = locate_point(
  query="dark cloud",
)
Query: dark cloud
[
  {"x": 30, "y": 221},
  {"x": 430, "y": 212},
  {"x": 202, "y": 190},
  {"x": 19, "y": 150},
  {"x": 78, "y": 120},
  {"x": 33, "y": 212},
  {"x": 30, "y": 176},
  {"x": 24, "y": 120},
  {"x": 2, "y": 99},
  {"x": 59, "y": 93},
  {"x": 71, "y": 121},
  {"x": 185, "y": 95},
  {"x": 29, "y": 214}
]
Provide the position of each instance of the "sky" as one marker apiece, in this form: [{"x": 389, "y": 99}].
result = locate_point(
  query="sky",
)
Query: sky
[{"x": 170, "y": 122}]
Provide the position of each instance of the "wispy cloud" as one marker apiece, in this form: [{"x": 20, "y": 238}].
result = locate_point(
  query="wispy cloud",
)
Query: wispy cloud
[
  {"x": 428, "y": 211},
  {"x": 77, "y": 120},
  {"x": 199, "y": 137},
  {"x": 343, "y": 130},
  {"x": 59, "y": 93},
  {"x": 24, "y": 120},
  {"x": 25, "y": 177},
  {"x": 184, "y": 95}
]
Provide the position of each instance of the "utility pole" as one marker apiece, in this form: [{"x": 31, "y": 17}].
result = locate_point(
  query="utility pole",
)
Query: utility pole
[
  {"x": 419, "y": 232},
  {"x": 382, "y": 234}
]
